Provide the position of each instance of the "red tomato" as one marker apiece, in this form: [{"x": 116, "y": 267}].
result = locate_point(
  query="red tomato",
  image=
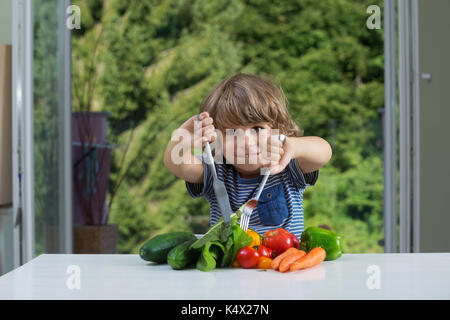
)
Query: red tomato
[
  {"x": 264, "y": 251},
  {"x": 279, "y": 240},
  {"x": 247, "y": 257},
  {"x": 295, "y": 241},
  {"x": 283, "y": 230}
]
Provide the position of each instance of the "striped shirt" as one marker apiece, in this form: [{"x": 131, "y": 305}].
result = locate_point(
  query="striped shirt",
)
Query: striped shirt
[{"x": 280, "y": 204}]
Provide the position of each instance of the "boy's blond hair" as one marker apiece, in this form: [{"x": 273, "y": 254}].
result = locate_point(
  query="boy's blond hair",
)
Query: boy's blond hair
[{"x": 245, "y": 99}]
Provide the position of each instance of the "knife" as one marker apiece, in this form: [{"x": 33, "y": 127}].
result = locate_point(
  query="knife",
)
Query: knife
[{"x": 219, "y": 187}]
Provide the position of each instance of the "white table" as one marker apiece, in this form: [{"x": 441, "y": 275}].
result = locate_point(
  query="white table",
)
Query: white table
[{"x": 401, "y": 276}]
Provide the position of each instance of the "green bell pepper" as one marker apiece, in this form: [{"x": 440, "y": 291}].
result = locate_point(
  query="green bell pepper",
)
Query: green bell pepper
[{"x": 330, "y": 241}]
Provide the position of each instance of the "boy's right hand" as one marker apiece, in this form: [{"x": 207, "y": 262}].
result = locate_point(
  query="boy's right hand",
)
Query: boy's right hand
[
  {"x": 201, "y": 131},
  {"x": 191, "y": 135}
]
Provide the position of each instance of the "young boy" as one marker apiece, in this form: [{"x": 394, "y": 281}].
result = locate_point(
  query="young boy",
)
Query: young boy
[{"x": 245, "y": 114}]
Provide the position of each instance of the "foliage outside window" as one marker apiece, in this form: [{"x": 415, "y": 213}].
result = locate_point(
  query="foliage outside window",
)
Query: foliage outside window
[{"x": 156, "y": 60}]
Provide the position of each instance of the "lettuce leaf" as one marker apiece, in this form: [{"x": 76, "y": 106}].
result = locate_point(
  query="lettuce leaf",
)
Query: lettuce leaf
[
  {"x": 240, "y": 239},
  {"x": 227, "y": 258},
  {"x": 220, "y": 245},
  {"x": 218, "y": 232},
  {"x": 209, "y": 256}
]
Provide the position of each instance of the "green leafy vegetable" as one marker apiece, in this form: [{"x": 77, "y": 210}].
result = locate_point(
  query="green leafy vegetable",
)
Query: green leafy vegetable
[
  {"x": 240, "y": 239},
  {"x": 221, "y": 243},
  {"x": 228, "y": 253},
  {"x": 211, "y": 253},
  {"x": 218, "y": 232}
]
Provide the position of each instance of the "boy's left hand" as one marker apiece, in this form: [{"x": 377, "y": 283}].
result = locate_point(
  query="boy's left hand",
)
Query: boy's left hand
[{"x": 277, "y": 155}]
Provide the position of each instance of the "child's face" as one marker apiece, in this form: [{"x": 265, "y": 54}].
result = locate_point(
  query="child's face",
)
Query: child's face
[{"x": 241, "y": 147}]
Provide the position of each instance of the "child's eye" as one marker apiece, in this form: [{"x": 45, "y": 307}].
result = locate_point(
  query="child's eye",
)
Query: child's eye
[
  {"x": 230, "y": 132},
  {"x": 257, "y": 129}
]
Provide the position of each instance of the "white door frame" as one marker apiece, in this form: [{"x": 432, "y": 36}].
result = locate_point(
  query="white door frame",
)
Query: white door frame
[
  {"x": 390, "y": 130},
  {"x": 409, "y": 126},
  {"x": 22, "y": 116},
  {"x": 23, "y": 138},
  {"x": 65, "y": 127}
]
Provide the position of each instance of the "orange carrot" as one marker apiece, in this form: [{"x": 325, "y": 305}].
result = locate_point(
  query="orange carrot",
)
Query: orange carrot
[
  {"x": 285, "y": 264},
  {"x": 313, "y": 258},
  {"x": 276, "y": 262}
]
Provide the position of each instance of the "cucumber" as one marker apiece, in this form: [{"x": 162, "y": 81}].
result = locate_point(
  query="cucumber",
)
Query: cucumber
[
  {"x": 157, "y": 248},
  {"x": 182, "y": 255}
]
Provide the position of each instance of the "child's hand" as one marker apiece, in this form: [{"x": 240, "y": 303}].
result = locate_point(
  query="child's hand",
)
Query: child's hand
[
  {"x": 276, "y": 155},
  {"x": 201, "y": 131}
]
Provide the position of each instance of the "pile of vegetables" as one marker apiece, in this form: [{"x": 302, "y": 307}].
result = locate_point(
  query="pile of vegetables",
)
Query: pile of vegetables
[
  {"x": 282, "y": 251},
  {"x": 215, "y": 249},
  {"x": 228, "y": 245},
  {"x": 262, "y": 250}
]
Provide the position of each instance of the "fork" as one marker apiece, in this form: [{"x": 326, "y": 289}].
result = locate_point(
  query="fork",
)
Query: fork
[{"x": 251, "y": 204}]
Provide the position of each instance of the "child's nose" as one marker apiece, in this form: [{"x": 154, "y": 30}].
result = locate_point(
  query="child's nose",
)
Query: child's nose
[{"x": 251, "y": 140}]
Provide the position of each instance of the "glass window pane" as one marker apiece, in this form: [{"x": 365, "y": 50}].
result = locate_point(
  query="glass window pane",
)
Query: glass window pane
[{"x": 48, "y": 186}]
